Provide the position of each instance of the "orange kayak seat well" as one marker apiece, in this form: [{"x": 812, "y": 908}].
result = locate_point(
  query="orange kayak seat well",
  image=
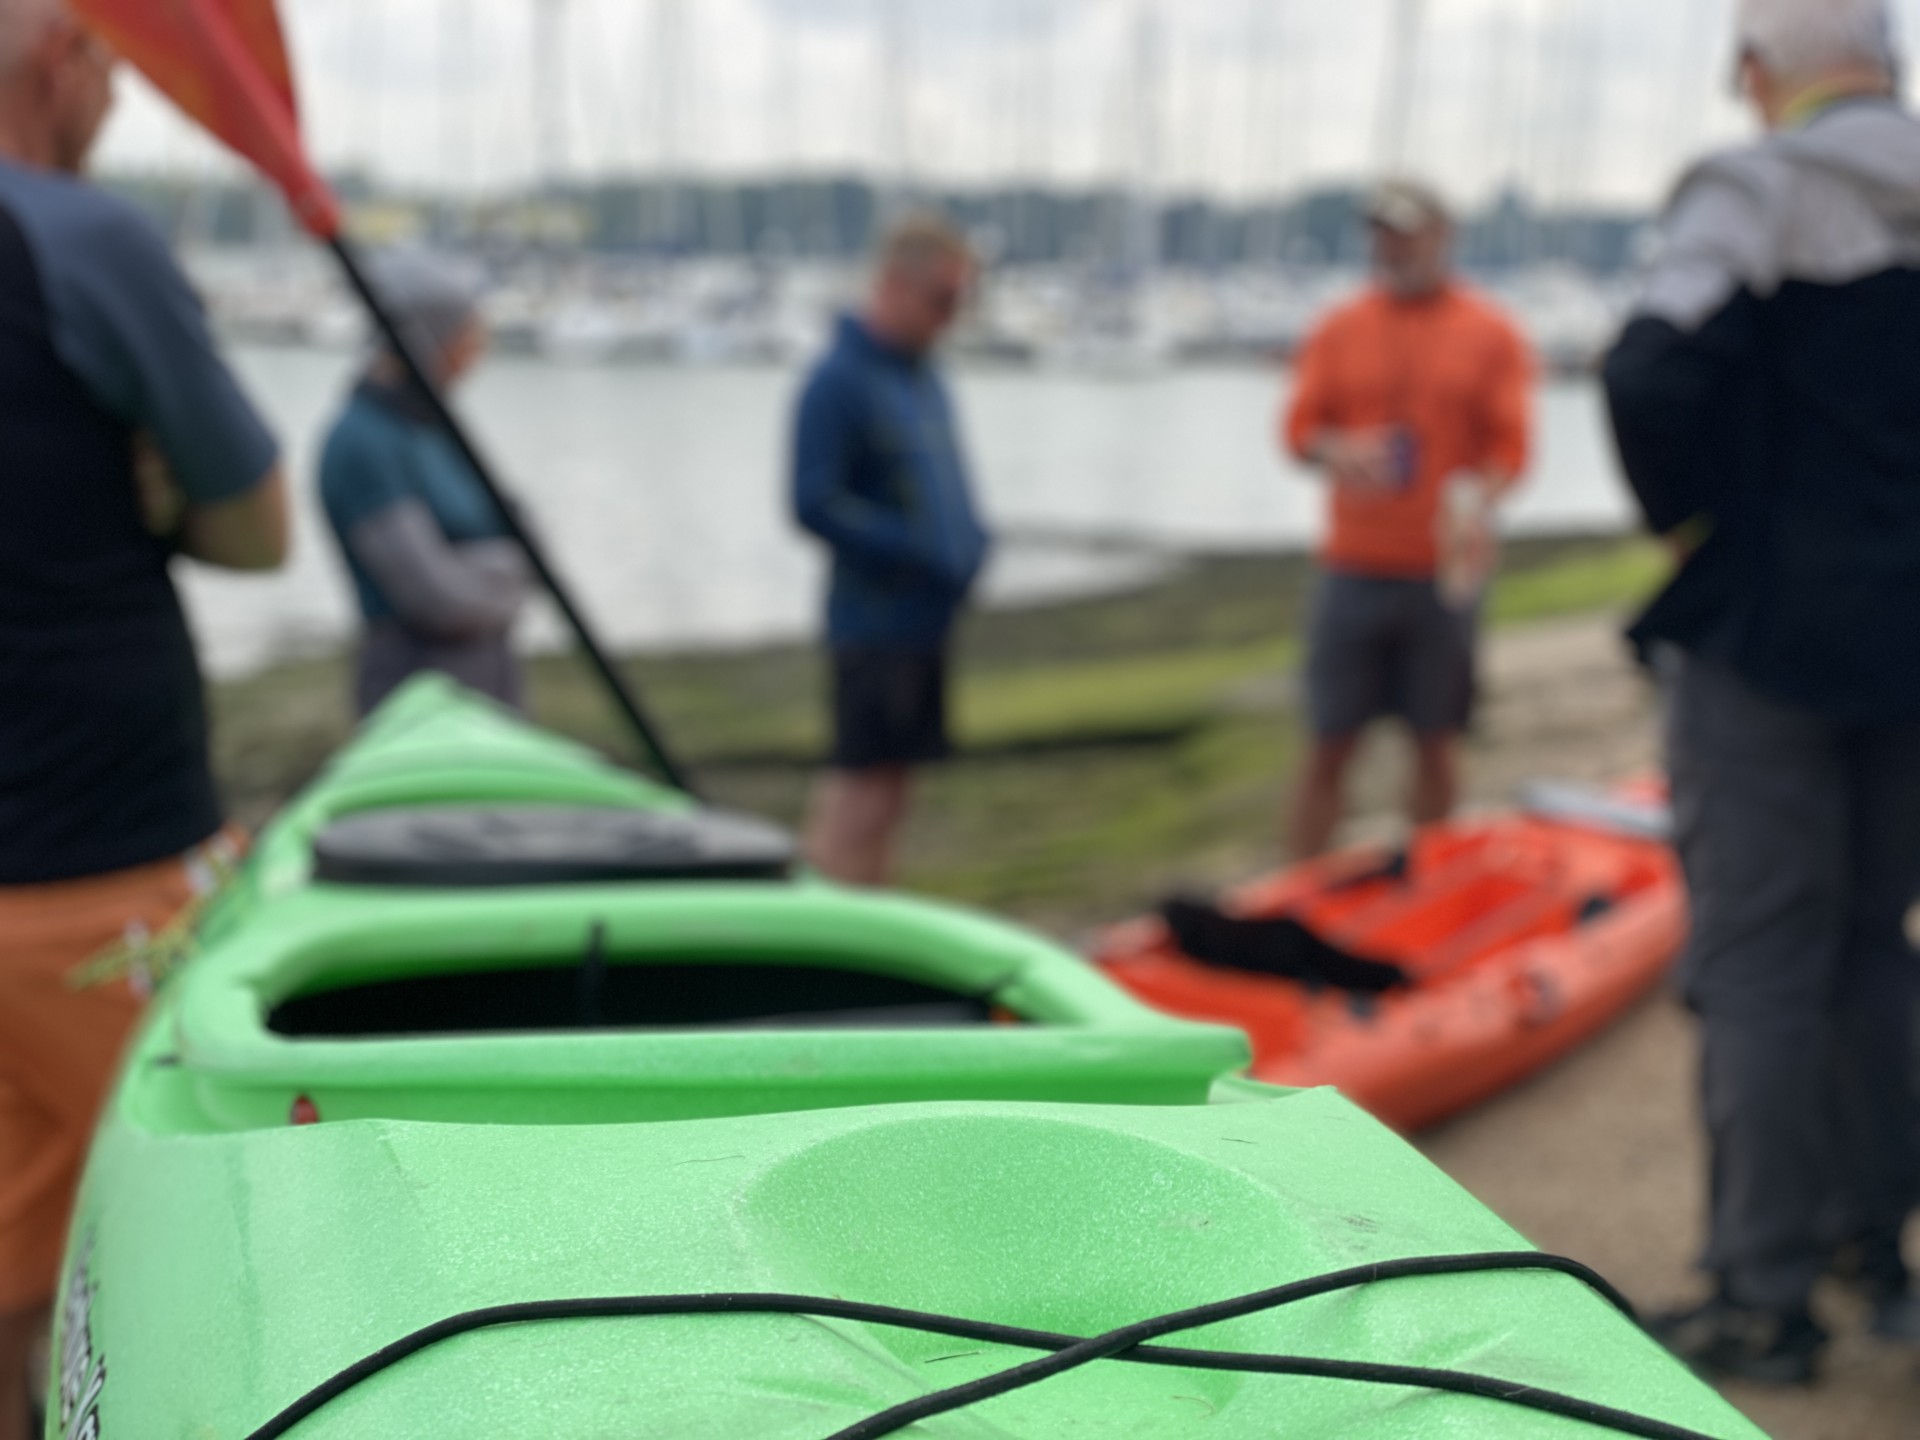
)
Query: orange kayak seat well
[{"x": 1426, "y": 980}]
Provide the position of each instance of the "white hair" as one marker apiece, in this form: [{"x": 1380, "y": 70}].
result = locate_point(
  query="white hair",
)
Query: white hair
[
  {"x": 23, "y": 24},
  {"x": 1805, "y": 38}
]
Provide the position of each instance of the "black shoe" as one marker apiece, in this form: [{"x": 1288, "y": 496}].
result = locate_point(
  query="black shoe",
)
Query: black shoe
[
  {"x": 1879, "y": 1275},
  {"x": 1740, "y": 1342},
  {"x": 1896, "y": 1316},
  {"x": 1895, "y": 1303}
]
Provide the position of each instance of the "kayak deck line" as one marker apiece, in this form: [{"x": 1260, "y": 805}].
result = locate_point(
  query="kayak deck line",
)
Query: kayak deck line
[{"x": 1128, "y": 1343}]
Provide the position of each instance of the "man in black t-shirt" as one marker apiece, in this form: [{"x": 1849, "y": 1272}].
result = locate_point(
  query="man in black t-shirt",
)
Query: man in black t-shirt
[{"x": 124, "y": 441}]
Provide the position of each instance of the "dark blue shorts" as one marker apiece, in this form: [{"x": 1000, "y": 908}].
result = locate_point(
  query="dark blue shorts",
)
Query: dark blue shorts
[
  {"x": 1380, "y": 648},
  {"x": 889, "y": 708}
]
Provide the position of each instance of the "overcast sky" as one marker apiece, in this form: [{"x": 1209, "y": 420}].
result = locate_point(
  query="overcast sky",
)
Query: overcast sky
[{"x": 1586, "y": 99}]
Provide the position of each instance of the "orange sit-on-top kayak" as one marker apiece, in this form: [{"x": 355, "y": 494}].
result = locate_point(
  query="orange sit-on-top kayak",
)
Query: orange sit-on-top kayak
[{"x": 1423, "y": 981}]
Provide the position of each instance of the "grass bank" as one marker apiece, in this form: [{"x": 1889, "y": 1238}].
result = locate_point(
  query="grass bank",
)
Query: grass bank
[{"x": 1115, "y": 747}]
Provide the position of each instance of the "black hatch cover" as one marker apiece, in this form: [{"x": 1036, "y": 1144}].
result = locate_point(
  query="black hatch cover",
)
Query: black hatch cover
[{"x": 454, "y": 846}]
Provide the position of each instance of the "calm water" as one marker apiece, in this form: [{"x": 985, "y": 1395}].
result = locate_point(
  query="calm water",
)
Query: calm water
[{"x": 661, "y": 490}]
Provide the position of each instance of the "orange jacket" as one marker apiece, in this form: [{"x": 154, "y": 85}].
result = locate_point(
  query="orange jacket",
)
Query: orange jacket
[{"x": 1453, "y": 372}]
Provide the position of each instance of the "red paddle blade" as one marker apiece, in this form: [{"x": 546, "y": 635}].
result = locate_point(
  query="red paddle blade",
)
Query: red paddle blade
[{"x": 225, "y": 63}]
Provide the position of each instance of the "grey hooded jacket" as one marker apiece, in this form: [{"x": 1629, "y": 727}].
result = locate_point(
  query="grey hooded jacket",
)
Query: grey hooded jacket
[{"x": 1766, "y": 401}]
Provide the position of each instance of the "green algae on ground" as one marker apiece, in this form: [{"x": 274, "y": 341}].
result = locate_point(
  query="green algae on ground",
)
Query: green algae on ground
[
  {"x": 1113, "y": 747},
  {"x": 1611, "y": 577}
]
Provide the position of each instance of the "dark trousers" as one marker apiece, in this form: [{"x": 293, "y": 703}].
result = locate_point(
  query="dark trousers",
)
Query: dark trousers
[{"x": 1801, "y": 843}]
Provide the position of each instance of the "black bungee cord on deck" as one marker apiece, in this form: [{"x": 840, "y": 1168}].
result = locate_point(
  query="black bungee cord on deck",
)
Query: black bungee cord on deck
[
  {"x": 1068, "y": 1351},
  {"x": 1126, "y": 1341}
]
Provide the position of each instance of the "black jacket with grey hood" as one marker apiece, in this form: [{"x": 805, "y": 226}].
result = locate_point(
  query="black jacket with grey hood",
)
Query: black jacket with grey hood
[{"x": 1766, "y": 400}]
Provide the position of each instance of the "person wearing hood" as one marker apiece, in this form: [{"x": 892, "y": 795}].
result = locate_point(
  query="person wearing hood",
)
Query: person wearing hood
[
  {"x": 1766, "y": 401},
  {"x": 880, "y": 478},
  {"x": 439, "y": 582}
]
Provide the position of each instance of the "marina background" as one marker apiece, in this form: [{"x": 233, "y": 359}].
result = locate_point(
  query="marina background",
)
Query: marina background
[
  {"x": 663, "y": 489},
  {"x": 669, "y": 201}
]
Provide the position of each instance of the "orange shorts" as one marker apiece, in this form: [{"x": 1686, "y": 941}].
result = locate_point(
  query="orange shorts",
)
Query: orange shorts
[{"x": 60, "y": 1045}]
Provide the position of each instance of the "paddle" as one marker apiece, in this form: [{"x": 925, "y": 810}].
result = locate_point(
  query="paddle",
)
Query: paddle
[{"x": 225, "y": 63}]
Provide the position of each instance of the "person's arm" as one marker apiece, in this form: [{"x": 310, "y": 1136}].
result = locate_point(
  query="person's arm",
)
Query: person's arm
[
  {"x": 438, "y": 589},
  {"x": 434, "y": 587},
  {"x": 128, "y": 324},
  {"x": 1308, "y": 417},
  {"x": 1508, "y": 417},
  {"x": 246, "y": 533},
  {"x": 1313, "y": 430},
  {"x": 825, "y": 437},
  {"x": 1688, "y": 344},
  {"x": 249, "y": 532},
  {"x": 953, "y": 541}
]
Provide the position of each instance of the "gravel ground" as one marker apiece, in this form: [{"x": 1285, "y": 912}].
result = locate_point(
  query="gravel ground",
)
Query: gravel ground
[{"x": 1601, "y": 1158}]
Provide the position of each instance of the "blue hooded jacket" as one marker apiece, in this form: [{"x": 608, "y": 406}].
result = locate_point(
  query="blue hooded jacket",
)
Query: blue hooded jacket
[{"x": 879, "y": 476}]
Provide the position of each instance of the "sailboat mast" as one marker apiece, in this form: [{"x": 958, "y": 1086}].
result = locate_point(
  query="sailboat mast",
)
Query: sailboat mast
[
  {"x": 459, "y": 153},
  {"x": 1042, "y": 237},
  {"x": 1297, "y": 45},
  {"x": 895, "y": 56},
  {"x": 782, "y": 139},
  {"x": 549, "y": 91},
  {"x": 1149, "y": 105},
  {"x": 1587, "y": 42},
  {"x": 1400, "y": 82},
  {"x": 1559, "y": 150},
  {"x": 1502, "y": 121},
  {"x": 1255, "y": 137},
  {"x": 1009, "y": 106},
  {"x": 1686, "y": 111},
  {"x": 666, "y": 90}
]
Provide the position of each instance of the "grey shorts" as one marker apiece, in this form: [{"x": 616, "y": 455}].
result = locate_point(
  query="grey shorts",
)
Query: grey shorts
[{"x": 1378, "y": 648}]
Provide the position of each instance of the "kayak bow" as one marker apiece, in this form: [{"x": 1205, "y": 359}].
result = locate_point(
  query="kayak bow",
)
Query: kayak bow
[{"x": 468, "y": 1123}]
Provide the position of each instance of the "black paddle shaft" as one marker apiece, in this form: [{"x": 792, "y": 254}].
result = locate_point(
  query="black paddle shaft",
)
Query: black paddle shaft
[{"x": 627, "y": 702}]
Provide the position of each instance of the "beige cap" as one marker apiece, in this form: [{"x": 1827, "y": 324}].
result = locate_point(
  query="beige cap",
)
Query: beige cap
[{"x": 1408, "y": 206}]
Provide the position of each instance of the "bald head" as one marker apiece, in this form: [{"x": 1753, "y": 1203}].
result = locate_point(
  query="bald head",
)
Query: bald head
[
  {"x": 23, "y": 25},
  {"x": 923, "y": 269},
  {"x": 56, "y": 85},
  {"x": 920, "y": 241}
]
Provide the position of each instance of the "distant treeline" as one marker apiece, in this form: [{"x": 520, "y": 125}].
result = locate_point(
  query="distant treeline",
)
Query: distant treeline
[{"x": 836, "y": 218}]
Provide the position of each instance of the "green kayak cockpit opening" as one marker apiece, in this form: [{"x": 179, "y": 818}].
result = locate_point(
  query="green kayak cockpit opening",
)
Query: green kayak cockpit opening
[
  {"x": 598, "y": 993},
  {"x": 446, "y": 847},
  {"x": 595, "y": 1004},
  {"x": 466, "y": 920}
]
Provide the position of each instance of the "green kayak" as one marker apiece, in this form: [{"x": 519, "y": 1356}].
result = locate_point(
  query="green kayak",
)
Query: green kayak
[{"x": 510, "y": 1095}]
